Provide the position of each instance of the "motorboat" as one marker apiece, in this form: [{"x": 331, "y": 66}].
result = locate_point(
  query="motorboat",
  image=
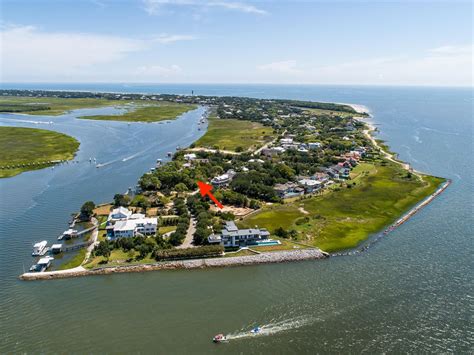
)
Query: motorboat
[
  {"x": 219, "y": 338},
  {"x": 39, "y": 249},
  {"x": 256, "y": 330},
  {"x": 42, "y": 264}
]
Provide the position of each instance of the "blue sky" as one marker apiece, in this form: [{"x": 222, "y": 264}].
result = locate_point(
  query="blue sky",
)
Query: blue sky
[{"x": 218, "y": 41}]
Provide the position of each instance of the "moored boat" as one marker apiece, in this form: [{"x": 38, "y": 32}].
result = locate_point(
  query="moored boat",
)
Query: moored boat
[
  {"x": 42, "y": 264},
  {"x": 40, "y": 248}
]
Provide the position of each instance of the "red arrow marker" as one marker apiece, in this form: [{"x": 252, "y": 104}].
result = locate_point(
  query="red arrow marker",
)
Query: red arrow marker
[{"x": 205, "y": 189}]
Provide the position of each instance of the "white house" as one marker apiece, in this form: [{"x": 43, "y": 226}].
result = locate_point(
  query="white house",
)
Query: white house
[
  {"x": 133, "y": 227},
  {"x": 190, "y": 156},
  {"x": 224, "y": 179}
]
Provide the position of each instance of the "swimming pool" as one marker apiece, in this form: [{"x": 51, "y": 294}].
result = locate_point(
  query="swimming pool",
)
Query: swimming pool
[{"x": 267, "y": 242}]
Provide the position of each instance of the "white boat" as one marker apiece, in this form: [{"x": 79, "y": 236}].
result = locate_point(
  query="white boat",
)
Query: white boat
[
  {"x": 70, "y": 233},
  {"x": 42, "y": 264},
  {"x": 40, "y": 248}
]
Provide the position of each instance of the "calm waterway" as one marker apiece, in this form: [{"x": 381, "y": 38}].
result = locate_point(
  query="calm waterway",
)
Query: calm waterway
[{"x": 411, "y": 292}]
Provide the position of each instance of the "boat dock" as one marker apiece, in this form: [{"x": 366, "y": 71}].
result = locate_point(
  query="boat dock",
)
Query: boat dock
[{"x": 72, "y": 233}]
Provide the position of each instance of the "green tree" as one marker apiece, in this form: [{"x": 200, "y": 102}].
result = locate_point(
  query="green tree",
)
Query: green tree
[
  {"x": 121, "y": 200},
  {"x": 87, "y": 210}
]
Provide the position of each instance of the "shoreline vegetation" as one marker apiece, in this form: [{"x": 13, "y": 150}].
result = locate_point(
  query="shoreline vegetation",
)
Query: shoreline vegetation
[
  {"x": 26, "y": 149},
  {"x": 372, "y": 191},
  {"x": 147, "y": 113},
  {"x": 56, "y": 106}
]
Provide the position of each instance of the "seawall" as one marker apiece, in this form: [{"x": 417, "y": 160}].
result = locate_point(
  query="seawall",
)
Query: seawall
[{"x": 263, "y": 258}]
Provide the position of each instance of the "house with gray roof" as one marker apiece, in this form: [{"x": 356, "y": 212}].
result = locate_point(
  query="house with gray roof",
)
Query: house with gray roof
[{"x": 231, "y": 236}]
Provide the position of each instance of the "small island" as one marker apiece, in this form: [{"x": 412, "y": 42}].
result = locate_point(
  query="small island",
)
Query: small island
[
  {"x": 298, "y": 180},
  {"x": 25, "y": 149}
]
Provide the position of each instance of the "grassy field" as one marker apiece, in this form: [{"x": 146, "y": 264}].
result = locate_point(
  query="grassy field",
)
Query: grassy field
[
  {"x": 30, "y": 148},
  {"x": 166, "y": 229},
  {"x": 118, "y": 257},
  {"x": 150, "y": 113},
  {"x": 228, "y": 134},
  {"x": 347, "y": 216},
  {"x": 75, "y": 261},
  {"x": 51, "y": 106}
]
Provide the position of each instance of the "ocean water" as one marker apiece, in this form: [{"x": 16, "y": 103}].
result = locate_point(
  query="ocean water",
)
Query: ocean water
[{"x": 411, "y": 292}]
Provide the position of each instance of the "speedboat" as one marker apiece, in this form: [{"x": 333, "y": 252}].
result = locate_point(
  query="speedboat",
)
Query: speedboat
[
  {"x": 219, "y": 338},
  {"x": 256, "y": 330}
]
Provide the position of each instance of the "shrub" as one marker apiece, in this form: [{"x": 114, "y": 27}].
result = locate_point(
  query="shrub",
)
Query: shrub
[{"x": 188, "y": 253}]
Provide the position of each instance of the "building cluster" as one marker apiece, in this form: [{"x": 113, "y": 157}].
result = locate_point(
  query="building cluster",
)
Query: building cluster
[
  {"x": 123, "y": 223},
  {"x": 312, "y": 184},
  {"x": 287, "y": 144}
]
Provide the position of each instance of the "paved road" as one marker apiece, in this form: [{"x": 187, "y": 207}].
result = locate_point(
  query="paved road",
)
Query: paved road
[{"x": 188, "y": 241}]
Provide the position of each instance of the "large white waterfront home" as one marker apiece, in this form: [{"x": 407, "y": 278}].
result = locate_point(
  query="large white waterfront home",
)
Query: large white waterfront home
[
  {"x": 122, "y": 223},
  {"x": 224, "y": 179},
  {"x": 231, "y": 236}
]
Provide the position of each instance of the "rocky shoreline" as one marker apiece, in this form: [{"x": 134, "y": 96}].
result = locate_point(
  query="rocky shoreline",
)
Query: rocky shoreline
[{"x": 263, "y": 258}]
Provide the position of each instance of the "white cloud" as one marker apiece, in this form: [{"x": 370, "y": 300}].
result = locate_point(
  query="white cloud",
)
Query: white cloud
[
  {"x": 165, "y": 38},
  {"x": 154, "y": 6},
  {"x": 30, "y": 54},
  {"x": 153, "y": 72},
  {"x": 282, "y": 67},
  {"x": 453, "y": 50},
  {"x": 444, "y": 66}
]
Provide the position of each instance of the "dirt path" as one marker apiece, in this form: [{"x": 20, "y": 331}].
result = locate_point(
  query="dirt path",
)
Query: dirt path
[
  {"x": 95, "y": 235},
  {"x": 302, "y": 210}
]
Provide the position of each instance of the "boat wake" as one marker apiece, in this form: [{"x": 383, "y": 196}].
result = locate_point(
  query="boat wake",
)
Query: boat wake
[
  {"x": 270, "y": 329},
  {"x": 137, "y": 154},
  {"x": 101, "y": 165}
]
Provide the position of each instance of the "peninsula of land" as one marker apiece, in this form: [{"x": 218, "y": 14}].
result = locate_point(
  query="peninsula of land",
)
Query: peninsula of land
[
  {"x": 25, "y": 149},
  {"x": 294, "y": 176}
]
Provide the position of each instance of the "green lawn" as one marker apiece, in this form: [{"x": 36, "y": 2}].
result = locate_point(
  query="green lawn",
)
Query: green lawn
[
  {"x": 75, "y": 261},
  {"x": 345, "y": 217},
  {"x": 243, "y": 252},
  {"x": 51, "y": 106},
  {"x": 149, "y": 113},
  {"x": 118, "y": 257},
  {"x": 166, "y": 229},
  {"x": 228, "y": 134},
  {"x": 24, "y": 149}
]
